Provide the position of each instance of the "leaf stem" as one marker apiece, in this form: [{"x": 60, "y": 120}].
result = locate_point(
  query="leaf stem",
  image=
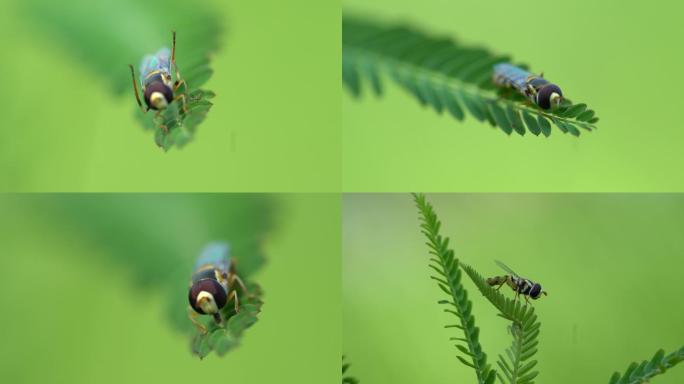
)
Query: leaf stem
[{"x": 455, "y": 84}]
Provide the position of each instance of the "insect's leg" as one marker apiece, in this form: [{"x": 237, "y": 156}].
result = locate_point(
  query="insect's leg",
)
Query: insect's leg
[
  {"x": 501, "y": 285},
  {"x": 517, "y": 293},
  {"x": 179, "y": 83},
  {"x": 173, "y": 47},
  {"x": 135, "y": 89},
  {"x": 527, "y": 299},
  {"x": 173, "y": 60},
  {"x": 217, "y": 318},
  {"x": 184, "y": 103},
  {"x": 237, "y": 278},
  {"x": 193, "y": 317},
  {"x": 233, "y": 295},
  {"x": 511, "y": 283},
  {"x": 161, "y": 124}
]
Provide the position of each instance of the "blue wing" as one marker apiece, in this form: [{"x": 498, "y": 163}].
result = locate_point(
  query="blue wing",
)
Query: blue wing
[
  {"x": 160, "y": 61},
  {"x": 216, "y": 254},
  {"x": 507, "y": 74}
]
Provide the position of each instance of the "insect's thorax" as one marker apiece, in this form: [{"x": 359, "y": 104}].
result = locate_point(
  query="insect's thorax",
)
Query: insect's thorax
[
  {"x": 211, "y": 271},
  {"x": 523, "y": 286},
  {"x": 158, "y": 76},
  {"x": 537, "y": 82}
]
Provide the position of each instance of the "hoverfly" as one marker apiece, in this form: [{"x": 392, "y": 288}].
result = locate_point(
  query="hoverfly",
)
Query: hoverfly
[
  {"x": 535, "y": 88},
  {"x": 521, "y": 286},
  {"x": 213, "y": 284},
  {"x": 157, "y": 85}
]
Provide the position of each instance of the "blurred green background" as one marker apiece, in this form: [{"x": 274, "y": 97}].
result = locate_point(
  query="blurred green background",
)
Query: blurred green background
[
  {"x": 622, "y": 58},
  {"x": 612, "y": 265},
  {"x": 68, "y": 110},
  {"x": 95, "y": 287}
]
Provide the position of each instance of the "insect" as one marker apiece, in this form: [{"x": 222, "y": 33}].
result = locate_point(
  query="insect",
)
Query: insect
[
  {"x": 535, "y": 88},
  {"x": 521, "y": 286},
  {"x": 158, "y": 87},
  {"x": 213, "y": 284}
]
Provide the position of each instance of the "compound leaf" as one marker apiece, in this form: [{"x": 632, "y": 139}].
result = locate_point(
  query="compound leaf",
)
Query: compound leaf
[{"x": 435, "y": 69}]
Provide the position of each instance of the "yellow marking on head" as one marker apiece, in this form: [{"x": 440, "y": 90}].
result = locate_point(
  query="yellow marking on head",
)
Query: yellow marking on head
[
  {"x": 555, "y": 99},
  {"x": 158, "y": 100},
  {"x": 205, "y": 300}
]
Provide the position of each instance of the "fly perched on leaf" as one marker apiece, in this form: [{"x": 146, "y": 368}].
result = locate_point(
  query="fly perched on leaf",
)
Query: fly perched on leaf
[
  {"x": 159, "y": 89},
  {"x": 214, "y": 283},
  {"x": 521, "y": 286},
  {"x": 534, "y": 88}
]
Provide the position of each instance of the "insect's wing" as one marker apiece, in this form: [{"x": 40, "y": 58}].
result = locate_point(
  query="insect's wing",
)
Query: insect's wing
[
  {"x": 160, "y": 61},
  {"x": 164, "y": 57},
  {"x": 510, "y": 75},
  {"x": 216, "y": 254},
  {"x": 506, "y": 268}
]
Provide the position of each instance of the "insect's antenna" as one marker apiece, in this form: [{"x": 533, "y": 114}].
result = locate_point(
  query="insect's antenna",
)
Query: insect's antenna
[
  {"x": 135, "y": 88},
  {"x": 545, "y": 294},
  {"x": 173, "y": 48}
]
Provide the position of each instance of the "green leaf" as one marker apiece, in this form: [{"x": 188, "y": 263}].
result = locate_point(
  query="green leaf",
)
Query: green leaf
[
  {"x": 644, "y": 372},
  {"x": 532, "y": 123},
  {"x": 586, "y": 115},
  {"x": 514, "y": 118},
  {"x": 112, "y": 220},
  {"x": 106, "y": 48},
  {"x": 500, "y": 117},
  {"x": 517, "y": 366},
  {"x": 346, "y": 379},
  {"x": 575, "y": 110},
  {"x": 351, "y": 78},
  {"x": 474, "y": 106},
  {"x": 446, "y": 264},
  {"x": 544, "y": 125},
  {"x": 440, "y": 72},
  {"x": 452, "y": 104},
  {"x": 222, "y": 339}
]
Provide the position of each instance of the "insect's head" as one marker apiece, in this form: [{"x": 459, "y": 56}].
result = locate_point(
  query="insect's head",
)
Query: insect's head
[
  {"x": 158, "y": 95},
  {"x": 549, "y": 95},
  {"x": 207, "y": 296},
  {"x": 536, "y": 291}
]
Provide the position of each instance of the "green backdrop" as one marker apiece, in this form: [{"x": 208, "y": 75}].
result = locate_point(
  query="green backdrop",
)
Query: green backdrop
[
  {"x": 620, "y": 57},
  {"x": 612, "y": 266},
  {"x": 94, "y": 287},
  {"x": 274, "y": 125}
]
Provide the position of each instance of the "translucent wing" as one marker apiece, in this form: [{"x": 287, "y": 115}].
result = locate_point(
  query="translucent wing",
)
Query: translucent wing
[
  {"x": 505, "y": 268},
  {"x": 160, "y": 61},
  {"x": 509, "y": 75},
  {"x": 215, "y": 254}
]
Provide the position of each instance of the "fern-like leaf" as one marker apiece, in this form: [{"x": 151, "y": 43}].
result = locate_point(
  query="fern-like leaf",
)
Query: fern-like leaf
[
  {"x": 518, "y": 365},
  {"x": 107, "y": 36},
  {"x": 181, "y": 125},
  {"x": 647, "y": 369},
  {"x": 445, "y": 75},
  {"x": 162, "y": 257},
  {"x": 448, "y": 277},
  {"x": 222, "y": 339}
]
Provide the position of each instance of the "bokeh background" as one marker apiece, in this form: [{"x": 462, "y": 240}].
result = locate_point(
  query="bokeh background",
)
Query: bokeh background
[
  {"x": 619, "y": 57},
  {"x": 611, "y": 263},
  {"x": 68, "y": 114},
  {"x": 94, "y": 287}
]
